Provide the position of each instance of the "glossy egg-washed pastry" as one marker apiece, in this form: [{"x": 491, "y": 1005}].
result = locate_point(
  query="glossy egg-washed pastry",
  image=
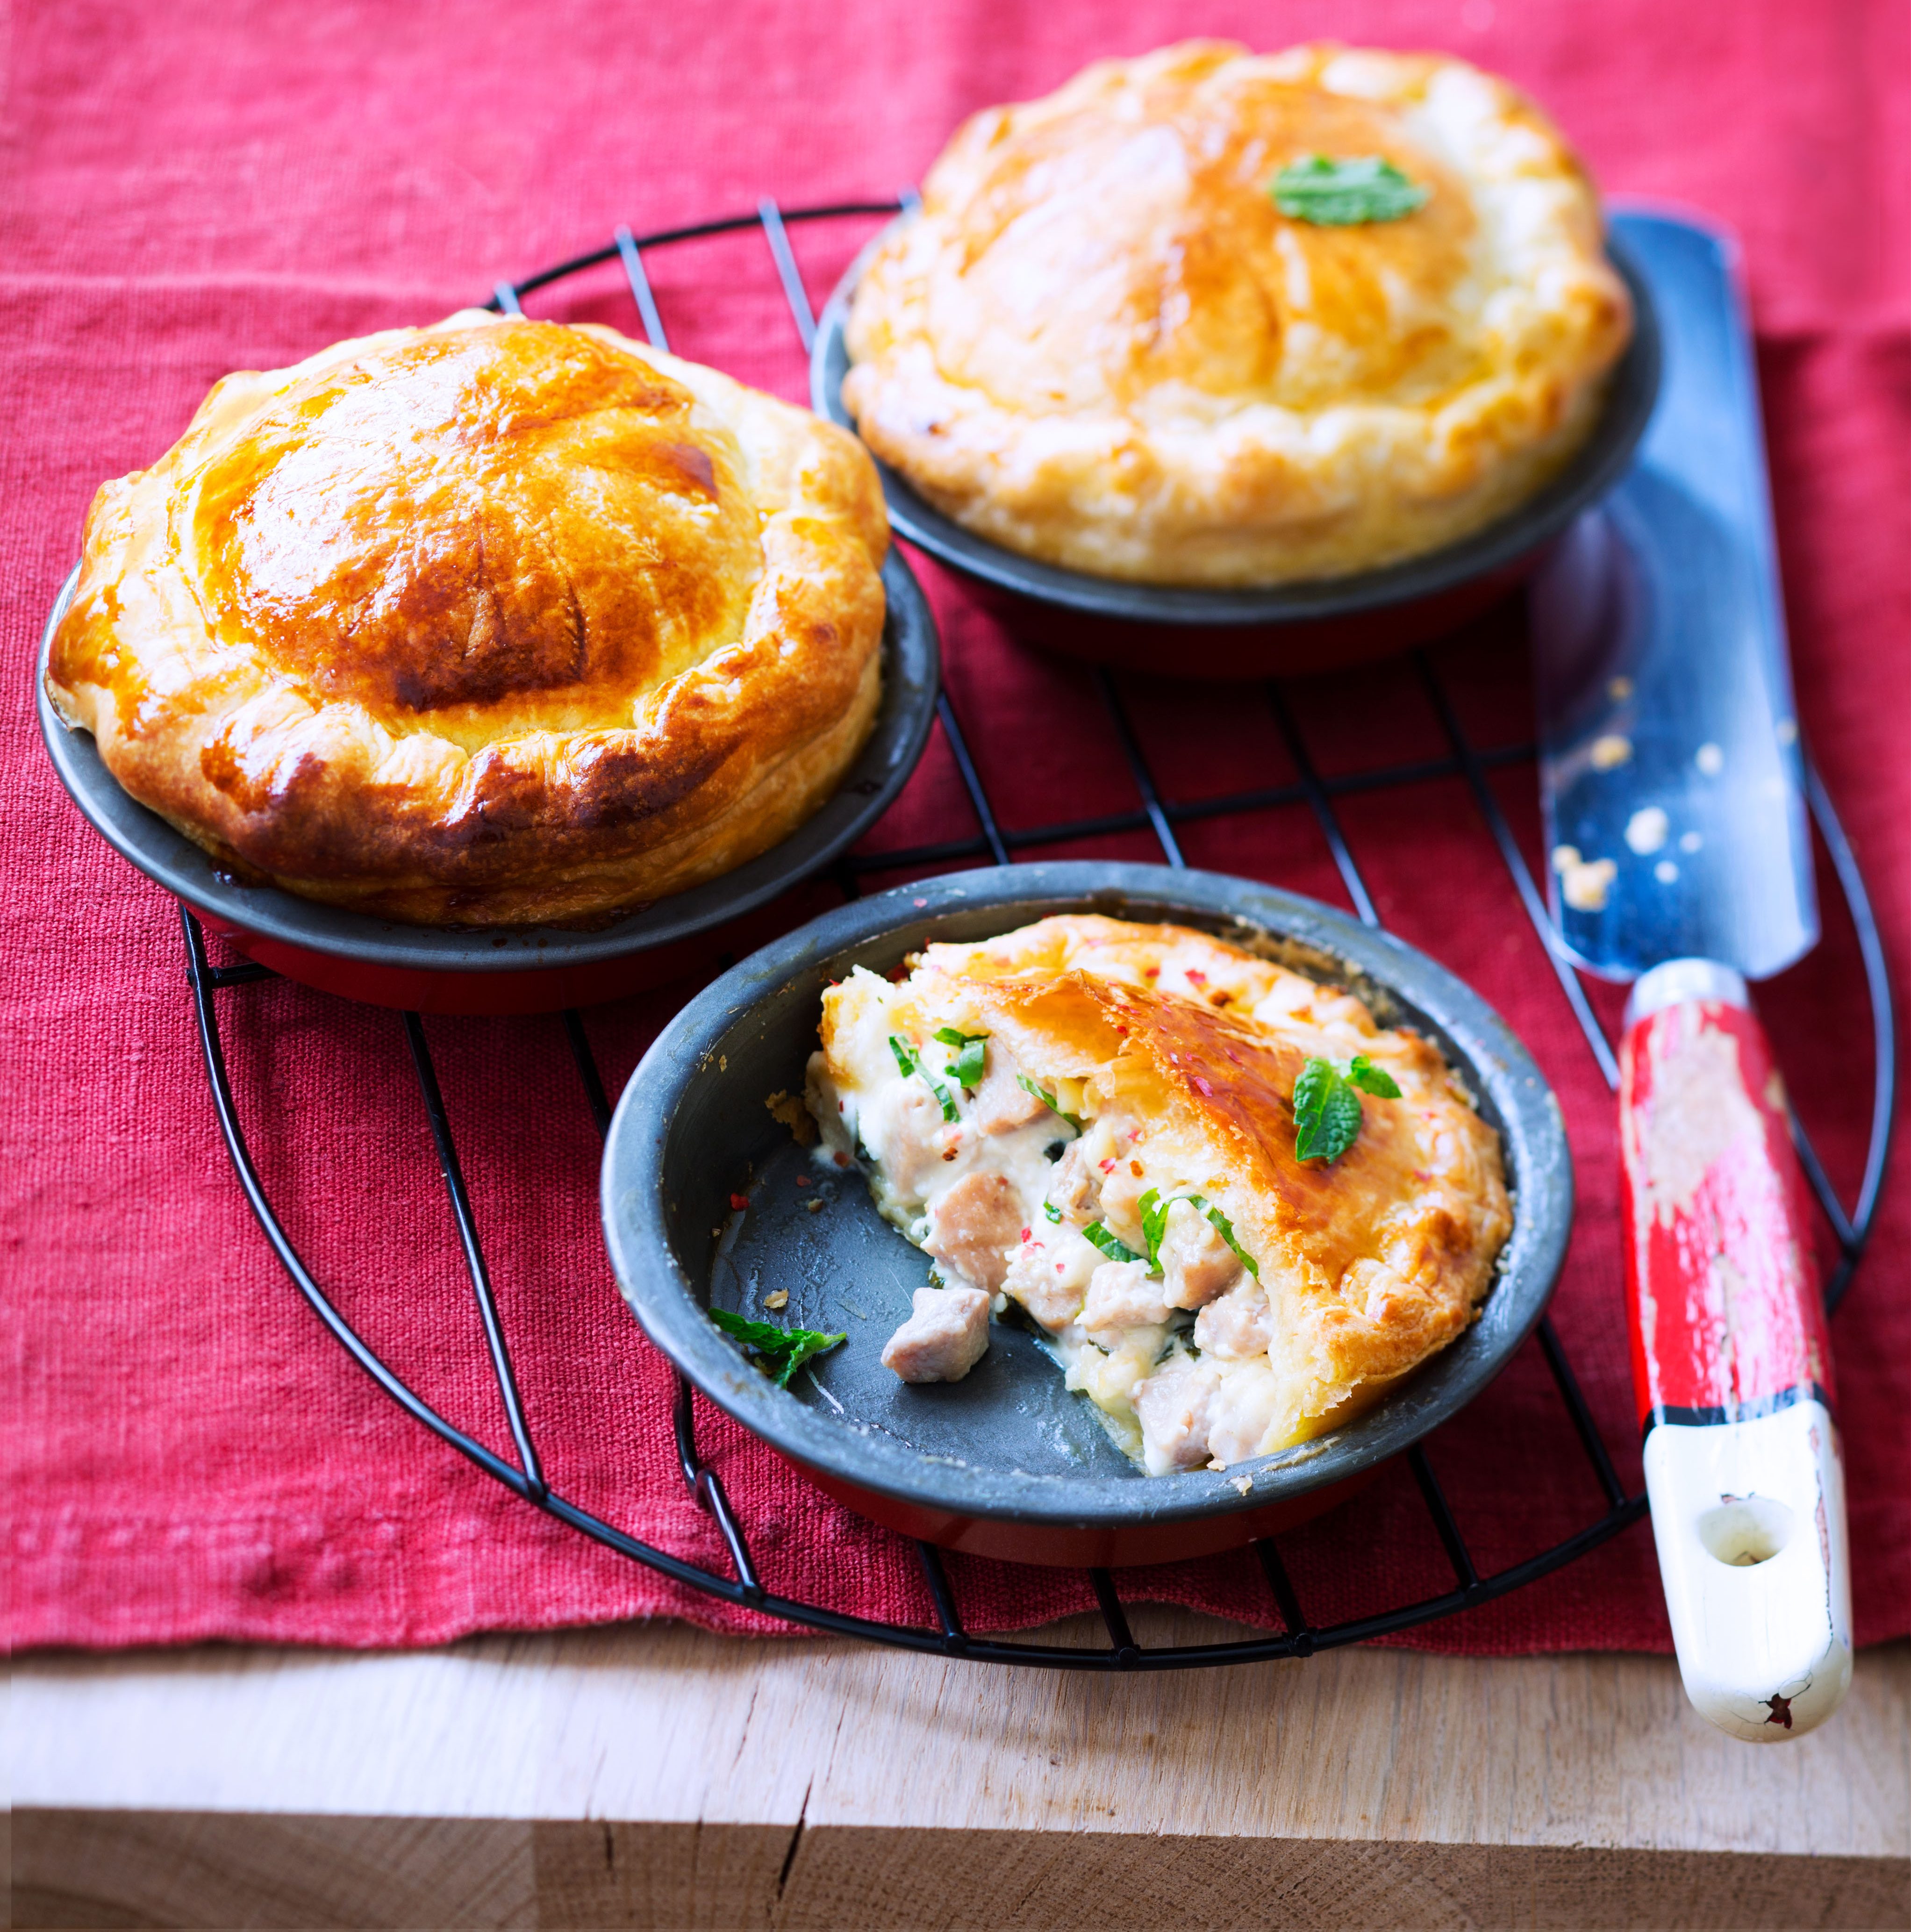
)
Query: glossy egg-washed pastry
[
  {"x": 1118, "y": 1155},
  {"x": 1103, "y": 344},
  {"x": 490, "y": 623}
]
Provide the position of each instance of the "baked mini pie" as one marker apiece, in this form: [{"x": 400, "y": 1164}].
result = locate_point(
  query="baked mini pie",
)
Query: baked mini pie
[
  {"x": 1106, "y": 342},
  {"x": 491, "y": 623},
  {"x": 1099, "y": 1122}
]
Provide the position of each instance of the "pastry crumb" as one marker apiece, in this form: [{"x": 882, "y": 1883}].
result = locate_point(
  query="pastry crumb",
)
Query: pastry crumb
[
  {"x": 1584, "y": 887},
  {"x": 781, "y": 1299},
  {"x": 1611, "y": 751},
  {"x": 1240, "y": 1483},
  {"x": 794, "y": 1115}
]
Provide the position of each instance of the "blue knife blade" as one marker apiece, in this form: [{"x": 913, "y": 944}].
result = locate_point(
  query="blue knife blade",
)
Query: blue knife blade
[{"x": 1671, "y": 775}]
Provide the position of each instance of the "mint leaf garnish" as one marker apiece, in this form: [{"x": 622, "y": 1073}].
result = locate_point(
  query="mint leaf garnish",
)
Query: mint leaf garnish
[
  {"x": 1327, "y": 1106},
  {"x": 1334, "y": 194},
  {"x": 1110, "y": 1245},
  {"x": 1048, "y": 1100},
  {"x": 965, "y": 1069},
  {"x": 1373, "y": 1079},
  {"x": 781, "y": 1352},
  {"x": 910, "y": 1061}
]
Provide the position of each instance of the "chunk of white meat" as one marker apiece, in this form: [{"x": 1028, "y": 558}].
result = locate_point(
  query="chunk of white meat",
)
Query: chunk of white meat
[
  {"x": 1074, "y": 1187},
  {"x": 973, "y": 1227},
  {"x": 1123, "y": 1183},
  {"x": 1237, "y": 1326},
  {"x": 1002, "y": 1103},
  {"x": 944, "y": 1339},
  {"x": 1172, "y": 1406},
  {"x": 1196, "y": 1264},
  {"x": 902, "y": 1125},
  {"x": 1246, "y": 1398},
  {"x": 1121, "y": 1296},
  {"x": 1049, "y": 1273}
]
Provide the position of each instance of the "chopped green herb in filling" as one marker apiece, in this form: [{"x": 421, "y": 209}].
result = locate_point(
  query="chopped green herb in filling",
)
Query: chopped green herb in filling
[
  {"x": 1154, "y": 1227},
  {"x": 1048, "y": 1100},
  {"x": 910, "y": 1061},
  {"x": 965, "y": 1069},
  {"x": 1110, "y": 1245},
  {"x": 779, "y": 1352},
  {"x": 1333, "y": 193}
]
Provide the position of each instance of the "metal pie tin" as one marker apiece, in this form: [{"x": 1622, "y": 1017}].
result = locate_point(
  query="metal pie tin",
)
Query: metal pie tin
[
  {"x": 1007, "y": 1462},
  {"x": 1286, "y": 628},
  {"x": 443, "y": 969}
]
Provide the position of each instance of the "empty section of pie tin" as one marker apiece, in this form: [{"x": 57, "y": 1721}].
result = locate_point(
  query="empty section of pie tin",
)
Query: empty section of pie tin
[
  {"x": 520, "y": 969},
  {"x": 1284, "y": 629},
  {"x": 1006, "y": 1463}
]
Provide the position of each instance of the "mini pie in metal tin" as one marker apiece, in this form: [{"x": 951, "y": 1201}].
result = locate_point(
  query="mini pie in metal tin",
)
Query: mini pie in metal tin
[
  {"x": 1007, "y": 1461},
  {"x": 496, "y": 623},
  {"x": 1107, "y": 345}
]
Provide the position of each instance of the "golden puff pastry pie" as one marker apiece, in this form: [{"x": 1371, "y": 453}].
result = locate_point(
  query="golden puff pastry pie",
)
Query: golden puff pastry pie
[
  {"x": 1099, "y": 1121},
  {"x": 496, "y": 622},
  {"x": 1106, "y": 343}
]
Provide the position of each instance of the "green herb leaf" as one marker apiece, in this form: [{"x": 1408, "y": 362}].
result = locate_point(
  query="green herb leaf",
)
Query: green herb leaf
[
  {"x": 1343, "y": 194},
  {"x": 1327, "y": 1113},
  {"x": 1154, "y": 1227},
  {"x": 782, "y": 1351},
  {"x": 966, "y": 1068},
  {"x": 910, "y": 1061},
  {"x": 1226, "y": 1229},
  {"x": 1153, "y": 1211},
  {"x": 1049, "y": 1208},
  {"x": 1110, "y": 1245},
  {"x": 1372, "y": 1079},
  {"x": 1048, "y": 1100}
]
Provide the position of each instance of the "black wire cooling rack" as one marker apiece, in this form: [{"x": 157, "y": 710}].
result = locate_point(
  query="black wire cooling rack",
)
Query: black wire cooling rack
[{"x": 994, "y": 842}]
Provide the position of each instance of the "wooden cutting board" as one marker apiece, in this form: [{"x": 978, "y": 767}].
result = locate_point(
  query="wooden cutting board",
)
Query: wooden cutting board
[{"x": 656, "y": 1776}]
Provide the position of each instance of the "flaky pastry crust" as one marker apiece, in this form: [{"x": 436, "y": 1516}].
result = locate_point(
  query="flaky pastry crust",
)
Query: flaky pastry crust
[
  {"x": 1101, "y": 344},
  {"x": 496, "y": 622}
]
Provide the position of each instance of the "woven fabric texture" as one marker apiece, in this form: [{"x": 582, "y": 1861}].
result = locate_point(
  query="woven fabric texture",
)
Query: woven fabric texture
[{"x": 189, "y": 191}]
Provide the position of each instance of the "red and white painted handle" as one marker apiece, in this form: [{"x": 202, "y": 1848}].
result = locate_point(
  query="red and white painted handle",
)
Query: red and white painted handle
[{"x": 1730, "y": 1360}]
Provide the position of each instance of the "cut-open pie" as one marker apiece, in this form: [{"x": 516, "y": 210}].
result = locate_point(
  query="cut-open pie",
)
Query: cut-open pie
[{"x": 1097, "y": 1121}]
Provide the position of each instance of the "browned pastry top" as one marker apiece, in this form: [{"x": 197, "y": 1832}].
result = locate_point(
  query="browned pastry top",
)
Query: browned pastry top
[
  {"x": 494, "y": 622},
  {"x": 1104, "y": 342}
]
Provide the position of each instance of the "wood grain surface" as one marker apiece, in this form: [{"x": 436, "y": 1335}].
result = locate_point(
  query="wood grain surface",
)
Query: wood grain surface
[{"x": 655, "y": 1776}]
